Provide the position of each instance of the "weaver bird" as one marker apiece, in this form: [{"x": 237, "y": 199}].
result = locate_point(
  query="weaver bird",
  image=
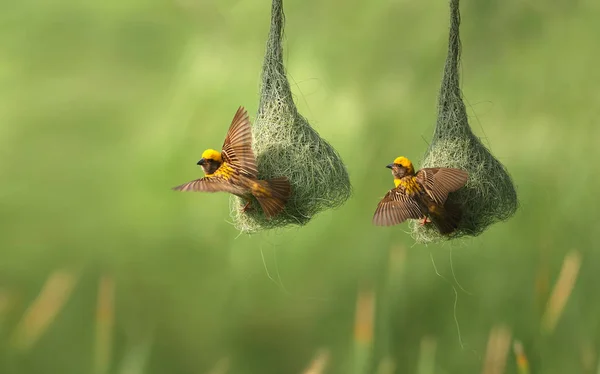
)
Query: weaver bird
[
  {"x": 234, "y": 170},
  {"x": 421, "y": 195}
]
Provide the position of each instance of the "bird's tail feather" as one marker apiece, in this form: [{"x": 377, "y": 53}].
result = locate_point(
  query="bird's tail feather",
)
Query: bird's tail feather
[{"x": 272, "y": 194}]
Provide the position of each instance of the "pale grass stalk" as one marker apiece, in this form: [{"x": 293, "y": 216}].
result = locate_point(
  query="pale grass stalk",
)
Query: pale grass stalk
[
  {"x": 397, "y": 262},
  {"x": 136, "y": 358},
  {"x": 318, "y": 363},
  {"x": 542, "y": 280},
  {"x": 4, "y": 301},
  {"x": 221, "y": 367},
  {"x": 4, "y": 305},
  {"x": 44, "y": 309},
  {"x": 392, "y": 275},
  {"x": 105, "y": 319},
  {"x": 588, "y": 356},
  {"x": 561, "y": 292},
  {"x": 427, "y": 355},
  {"x": 386, "y": 366},
  {"x": 363, "y": 328},
  {"x": 521, "y": 358},
  {"x": 497, "y": 350}
]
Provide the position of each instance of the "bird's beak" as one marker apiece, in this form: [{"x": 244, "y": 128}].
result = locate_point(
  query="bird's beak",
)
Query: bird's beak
[
  {"x": 201, "y": 162},
  {"x": 389, "y": 166}
]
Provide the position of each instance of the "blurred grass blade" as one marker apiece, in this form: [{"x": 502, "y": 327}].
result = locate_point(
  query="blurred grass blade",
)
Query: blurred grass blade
[
  {"x": 44, "y": 309},
  {"x": 427, "y": 356},
  {"x": 397, "y": 262},
  {"x": 521, "y": 358},
  {"x": 136, "y": 358},
  {"x": 497, "y": 350},
  {"x": 542, "y": 281},
  {"x": 588, "y": 356},
  {"x": 4, "y": 301},
  {"x": 221, "y": 367},
  {"x": 392, "y": 287},
  {"x": 105, "y": 317},
  {"x": 561, "y": 292},
  {"x": 4, "y": 306},
  {"x": 319, "y": 363},
  {"x": 386, "y": 366},
  {"x": 363, "y": 328}
]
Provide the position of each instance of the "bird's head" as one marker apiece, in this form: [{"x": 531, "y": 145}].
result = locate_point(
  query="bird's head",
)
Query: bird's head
[
  {"x": 401, "y": 167},
  {"x": 210, "y": 161}
]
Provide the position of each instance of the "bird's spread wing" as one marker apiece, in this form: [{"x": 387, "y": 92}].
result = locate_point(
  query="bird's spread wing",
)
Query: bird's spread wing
[
  {"x": 237, "y": 148},
  {"x": 395, "y": 208},
  {"x": 208, "y": 184},
  {"x": 439, "y": 182}
]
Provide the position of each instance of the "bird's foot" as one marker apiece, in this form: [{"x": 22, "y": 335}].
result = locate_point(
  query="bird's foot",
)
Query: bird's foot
[
  {"x": 247, "y": 207},
  {"x": 425, "y": 221}
]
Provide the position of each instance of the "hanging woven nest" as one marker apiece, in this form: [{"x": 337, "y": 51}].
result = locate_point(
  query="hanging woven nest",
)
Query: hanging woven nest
[
  {"x": 286, "y": 145},
  {"x": 489, "y": 195}
]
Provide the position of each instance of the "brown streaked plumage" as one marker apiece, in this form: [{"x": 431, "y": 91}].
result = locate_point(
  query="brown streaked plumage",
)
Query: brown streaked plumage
[
  {"x": 421, "y": 195},
  {"x": 233, "y": 170}
]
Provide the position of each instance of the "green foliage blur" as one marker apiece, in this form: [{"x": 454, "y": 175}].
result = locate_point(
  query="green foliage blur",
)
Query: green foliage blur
[{"x": 106, "y": 105}]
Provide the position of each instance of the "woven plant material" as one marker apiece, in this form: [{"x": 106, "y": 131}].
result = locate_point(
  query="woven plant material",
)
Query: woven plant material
[
  {"x": 489, "y": 195},
  {"x": 286, "y": 145}
]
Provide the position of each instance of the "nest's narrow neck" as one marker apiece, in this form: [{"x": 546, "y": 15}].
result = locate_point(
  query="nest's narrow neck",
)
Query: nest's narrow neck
[
  {"x": 452, "y": 114},
  {"x": 275, "y": 42},
  {"x": 274, "y": 81},
  {"x": 451, "y": 70}
]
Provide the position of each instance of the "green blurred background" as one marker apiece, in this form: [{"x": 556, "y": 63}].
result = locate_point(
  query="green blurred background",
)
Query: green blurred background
[{"x": 106, "y": 105}]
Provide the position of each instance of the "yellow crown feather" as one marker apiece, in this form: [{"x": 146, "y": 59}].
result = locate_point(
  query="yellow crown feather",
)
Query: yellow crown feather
[
  {"x": 405, "y": 162},
  {"x": 211, "y": 154}
]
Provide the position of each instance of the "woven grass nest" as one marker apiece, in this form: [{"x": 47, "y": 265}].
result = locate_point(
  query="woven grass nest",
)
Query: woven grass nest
[
  {"x": 286, "y": 145},
  {"x": 489, "y": 195}
]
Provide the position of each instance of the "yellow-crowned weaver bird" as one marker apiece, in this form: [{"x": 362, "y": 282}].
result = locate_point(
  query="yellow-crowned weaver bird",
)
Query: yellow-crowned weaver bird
[
  {"x": 421, "y": 195},
  {"x": 234, "y": 170}
]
